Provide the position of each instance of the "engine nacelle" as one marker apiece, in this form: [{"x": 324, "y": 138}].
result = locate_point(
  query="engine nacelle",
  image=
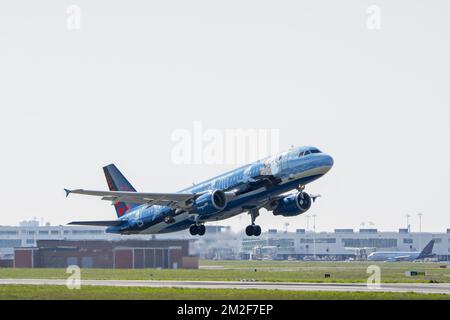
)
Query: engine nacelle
[
  {"x": 293, "y": 205},
  {"x": 210, "y": 202}
]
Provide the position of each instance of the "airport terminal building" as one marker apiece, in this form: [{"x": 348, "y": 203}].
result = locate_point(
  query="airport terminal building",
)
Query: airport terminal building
[
  {"x": 342, "y": 244},
  {"x": 220, "y": 242}
]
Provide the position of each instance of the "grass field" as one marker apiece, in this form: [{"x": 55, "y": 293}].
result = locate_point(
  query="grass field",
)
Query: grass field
[
  {"x": 295, "y": 271},
  {"x": 25, "y": 292}
]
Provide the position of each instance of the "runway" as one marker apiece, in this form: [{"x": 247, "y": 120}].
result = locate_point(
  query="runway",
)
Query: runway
[{"x": 294, "y": 286}]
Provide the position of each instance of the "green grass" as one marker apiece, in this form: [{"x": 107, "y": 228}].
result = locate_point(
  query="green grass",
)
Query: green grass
[
  {"x": 25, "y": 292},
  {"x": 289, "y": 271}
]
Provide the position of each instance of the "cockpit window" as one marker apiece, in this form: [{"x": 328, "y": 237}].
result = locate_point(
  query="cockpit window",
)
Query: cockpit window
[{"x": 309, "y": 151}]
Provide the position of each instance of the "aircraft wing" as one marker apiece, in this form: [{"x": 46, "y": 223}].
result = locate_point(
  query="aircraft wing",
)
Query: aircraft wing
[
  {"x": 315, "y": 196},
  {"x": 281, "y": 196},
  {"x": 107, "y": 223},
  {"x": 165, "y": 199}
]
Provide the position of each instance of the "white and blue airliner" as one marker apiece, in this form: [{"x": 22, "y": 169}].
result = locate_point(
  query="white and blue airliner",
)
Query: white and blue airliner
[{"x": 275, "y": 183}]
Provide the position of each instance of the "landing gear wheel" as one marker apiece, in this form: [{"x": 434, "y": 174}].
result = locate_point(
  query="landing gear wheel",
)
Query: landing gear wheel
[
  {"x": 256, "y": 231},
  {"x": 193, "y": 230},
  {"x": 249, "y": 231},
  {"x": 197, "y": 230},
  {"x": 253, "y": 230},
  {"x": 201, "y": 230}
]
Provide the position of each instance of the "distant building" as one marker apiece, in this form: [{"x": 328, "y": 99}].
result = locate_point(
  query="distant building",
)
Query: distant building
[
  {"x": 29, "y": 223},
  {"x": 130, "y": 254}
]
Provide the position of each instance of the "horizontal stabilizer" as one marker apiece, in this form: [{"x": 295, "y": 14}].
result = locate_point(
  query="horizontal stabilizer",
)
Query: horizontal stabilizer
[{"x": 105, "y": 223}]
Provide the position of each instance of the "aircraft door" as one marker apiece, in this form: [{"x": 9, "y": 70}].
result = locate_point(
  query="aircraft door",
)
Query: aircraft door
[{"x": 285, "y": 161}]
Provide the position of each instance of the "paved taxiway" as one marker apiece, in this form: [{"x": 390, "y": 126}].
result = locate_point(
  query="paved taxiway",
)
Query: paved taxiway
[{"x": 349, "y": 287}]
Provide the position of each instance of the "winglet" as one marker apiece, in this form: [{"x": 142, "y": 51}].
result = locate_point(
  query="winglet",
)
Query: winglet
[
  {"x": 315, "y": 196},
  {"x": 67, "y": 192}
]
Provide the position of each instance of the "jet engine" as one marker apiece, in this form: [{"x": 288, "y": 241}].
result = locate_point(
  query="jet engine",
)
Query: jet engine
[
  {"x": 292, "y": 205},
  {"x": 210, "y": 202}
]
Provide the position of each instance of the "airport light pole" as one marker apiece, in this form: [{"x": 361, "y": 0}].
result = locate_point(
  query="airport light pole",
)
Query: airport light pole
[
  {"x": 307, "y": 222},
  {"x": 407, "y": 222},
  {"x": 420, "y": 230}
]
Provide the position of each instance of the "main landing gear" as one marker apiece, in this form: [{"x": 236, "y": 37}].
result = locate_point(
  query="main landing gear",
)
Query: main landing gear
[
  {"x": 197, "y": 229},
  {"x": 253, "y": 229}
]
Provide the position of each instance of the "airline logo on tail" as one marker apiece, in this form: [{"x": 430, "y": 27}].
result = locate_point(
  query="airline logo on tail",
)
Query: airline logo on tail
[{"x": 117, "y": 182}]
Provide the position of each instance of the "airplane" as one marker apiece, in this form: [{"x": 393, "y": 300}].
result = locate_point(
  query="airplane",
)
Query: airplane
[
  {"x": 391, "y": 256},
  {"x": 275, "y": 183}
]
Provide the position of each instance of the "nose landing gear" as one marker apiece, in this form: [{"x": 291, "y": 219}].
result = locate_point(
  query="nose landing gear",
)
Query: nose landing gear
[
  {"x": 197, "y": 229},
  {"x": 253, "y": 229}
]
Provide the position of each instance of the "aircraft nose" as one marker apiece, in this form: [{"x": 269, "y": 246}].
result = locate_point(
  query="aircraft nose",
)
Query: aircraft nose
[
  {"x": 327, "y": 162},
  {"x": 330, "y": 160}
]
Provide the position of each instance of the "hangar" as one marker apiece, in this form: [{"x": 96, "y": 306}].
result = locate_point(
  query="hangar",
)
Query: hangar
[{"x": 166, "y": 254}]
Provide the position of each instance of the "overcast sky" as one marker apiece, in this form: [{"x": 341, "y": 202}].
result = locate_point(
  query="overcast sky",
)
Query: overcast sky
[{"x": 116, "y": 89}]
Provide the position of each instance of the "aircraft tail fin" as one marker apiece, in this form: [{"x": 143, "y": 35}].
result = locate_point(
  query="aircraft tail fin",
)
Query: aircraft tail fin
[
  {"x": 427, "y": 251},
  {"x": 117, "y": 182}
]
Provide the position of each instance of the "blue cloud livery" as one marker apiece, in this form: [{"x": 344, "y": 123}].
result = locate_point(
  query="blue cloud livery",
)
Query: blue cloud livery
[{"x": 275, "y": 183}]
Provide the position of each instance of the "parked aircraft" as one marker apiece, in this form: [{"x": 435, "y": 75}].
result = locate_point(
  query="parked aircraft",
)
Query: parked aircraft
[{"x": 402, "y": 255}]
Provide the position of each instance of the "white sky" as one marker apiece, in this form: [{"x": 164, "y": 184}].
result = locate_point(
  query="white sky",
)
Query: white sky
[{"x": 114, "y": 91}]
